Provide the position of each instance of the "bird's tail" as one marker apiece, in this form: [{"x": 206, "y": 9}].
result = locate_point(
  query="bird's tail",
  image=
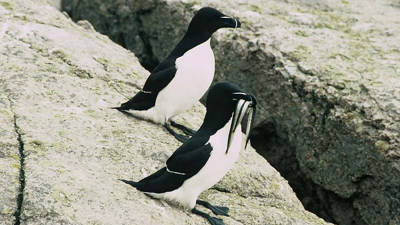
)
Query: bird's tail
[
  {"x": 117, "y": 108},
  {"x": 123, "y": 106},
  {"x": 132, "y": 183}
]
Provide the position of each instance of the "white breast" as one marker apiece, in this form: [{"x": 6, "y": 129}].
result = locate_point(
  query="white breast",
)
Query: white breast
[
  {"x": 219, "y": 162},
  {"x": 195, "y": 72}
]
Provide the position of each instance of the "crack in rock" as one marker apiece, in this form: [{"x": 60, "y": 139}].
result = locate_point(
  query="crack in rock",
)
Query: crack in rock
[{"x": 20, "y": 197}]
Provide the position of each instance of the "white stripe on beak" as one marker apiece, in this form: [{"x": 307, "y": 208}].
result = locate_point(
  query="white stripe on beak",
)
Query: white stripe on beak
[
  {"x": 250, "y": 120},
  {"x": 237, "y": 117},
  {"x": 227, "y": 17}
]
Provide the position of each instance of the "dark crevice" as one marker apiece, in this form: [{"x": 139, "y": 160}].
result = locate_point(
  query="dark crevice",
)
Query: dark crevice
[
  {"x": 325, "y": 115},
  {"x": 126, "y": 30},
  {"x": 272, "y": 143},
  {"x": 148, "y": 60},
  {"x": 20, "y": 197},
  {"x": 220, "y": 189}
]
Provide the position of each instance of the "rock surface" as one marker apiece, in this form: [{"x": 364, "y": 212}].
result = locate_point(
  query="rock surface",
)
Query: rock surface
[
  {"x": 9, "y": 160},
  {"x": 327, "y": 76},
  {"x": 58, "y": 82}
]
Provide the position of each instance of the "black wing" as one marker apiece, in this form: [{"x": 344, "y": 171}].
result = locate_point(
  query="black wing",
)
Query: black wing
[
  {"x": 159, "y": 182},
  {"x": 146, "y": 98},
  {"x": 186, "y": 161},
  {"x": 190, "y": 157}
]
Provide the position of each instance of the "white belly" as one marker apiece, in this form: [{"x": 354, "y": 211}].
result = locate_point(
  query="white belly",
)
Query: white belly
[
  {"x": 195, "y": 72},
  {"x": 216, "y": 167}
]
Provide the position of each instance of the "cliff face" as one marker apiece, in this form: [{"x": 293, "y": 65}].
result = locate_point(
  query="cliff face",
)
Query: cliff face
[
  {"x": 327, "y": 78},
  {"x": 63, "y": 149}
]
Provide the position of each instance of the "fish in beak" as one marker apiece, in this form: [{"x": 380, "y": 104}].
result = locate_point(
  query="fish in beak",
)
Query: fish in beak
[{"x": 246, "y": 106}]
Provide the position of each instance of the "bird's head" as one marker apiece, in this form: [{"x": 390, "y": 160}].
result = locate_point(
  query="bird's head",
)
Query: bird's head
[
  {"x": 208, "y": 20},
  {"x": 226, "y": 102}
]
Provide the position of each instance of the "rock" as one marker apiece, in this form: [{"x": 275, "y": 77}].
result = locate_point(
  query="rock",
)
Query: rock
[
  {"x": 60, "y": 80},
  {"x": 326, "y": 75},
  {"x": 9, "y": 160},
  {"x": 55, "y": 3}
]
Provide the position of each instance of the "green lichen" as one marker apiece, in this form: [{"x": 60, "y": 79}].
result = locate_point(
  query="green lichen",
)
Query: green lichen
[
  {"x": 61, "y": 133},
  {"x": 102, "y": 61},
  {"x": 341, "y": 56},
  {"x": 15, "y": 157},
  {"x": 49, "y": 67},
  {"x": 254, "y": 8},
  {"x": 381, "y": 146},
  {"x": 57, "y": 145},
  {"x": 6, "y": 210},
  {"x": 61, "y": 197},
  {"x": 354, "y": 118},
  {"x": 6, "y": 5},
  {"x": 37, "y": 143},
  {"x": 301, "y": 52},
  {"x": 91, "y": 113},
  {"x": 190, "y": 5},
  {"x": 16, "y": 165},
  {"x": 60, "y": 54},
  {"x": 81, "y": 73},
  {"x": 275, "y": 187},
  {"x": 301, "y": 33}
]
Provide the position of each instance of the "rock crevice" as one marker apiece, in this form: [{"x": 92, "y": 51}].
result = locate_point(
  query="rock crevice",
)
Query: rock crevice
[
  {"x": 21, "y": 178},
  {"x": 20, "y": 198}
]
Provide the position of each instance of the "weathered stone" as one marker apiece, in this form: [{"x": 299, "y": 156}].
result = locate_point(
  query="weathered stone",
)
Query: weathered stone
[
  {"x": 62, "y": 78},
  {"x": 327, "y": 77},
  {"x": 9, "y": 161}
]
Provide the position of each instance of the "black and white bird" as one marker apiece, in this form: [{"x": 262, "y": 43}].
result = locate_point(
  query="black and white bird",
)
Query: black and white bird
[
  {"x": 179, "y": 81},
  {"x": 206, "y": 157}
]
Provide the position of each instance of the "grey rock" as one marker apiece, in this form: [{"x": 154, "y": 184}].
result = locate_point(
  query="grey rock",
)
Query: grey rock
[
  {"x": 62, "y": 78},
  {"x": 326, "y": 74},
  {"x": 9, "y": 161},
  {"x": 55, "y": 3}
]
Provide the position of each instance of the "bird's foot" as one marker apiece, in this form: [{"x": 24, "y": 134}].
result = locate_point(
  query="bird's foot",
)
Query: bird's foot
[
  {"x": 184, "y": 129},
  {"x": 211, "y": 219},
  {"x": 179, "y": 137},
  {"x": 217, "y": 210}
]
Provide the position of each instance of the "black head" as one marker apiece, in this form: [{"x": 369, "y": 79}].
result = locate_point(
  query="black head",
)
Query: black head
[
  {"x": 223, "y": 96},
  {"x": 208, "y": 20},
  {"x": 225, "y": 101}
]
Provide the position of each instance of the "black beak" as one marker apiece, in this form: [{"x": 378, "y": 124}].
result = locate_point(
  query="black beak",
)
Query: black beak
[
  {"x": 245, "y": 106},
  {"x": 227, "y": 21}
]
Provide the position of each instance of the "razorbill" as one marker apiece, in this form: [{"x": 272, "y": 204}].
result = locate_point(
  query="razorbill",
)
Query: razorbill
[
  {"x": 206, "y": 157},
  {"x": 179, "y": 81}
]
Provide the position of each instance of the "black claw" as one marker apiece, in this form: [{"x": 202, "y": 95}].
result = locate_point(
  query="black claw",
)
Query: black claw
[
  {"x": 211, "y": 219},
  {"x": 179, "y": 137},
  {"x": 215, "y": 221},
  {"x": 185, "y": 130},
  {"x": 220, "y": 210},
  {"x": 217, "y": 210}
]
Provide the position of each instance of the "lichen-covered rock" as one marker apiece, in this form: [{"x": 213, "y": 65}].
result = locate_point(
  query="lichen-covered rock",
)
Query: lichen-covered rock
[
  {"x": 9, "y": 161},
  {"x": 327, "y": 77},
  {"x": 59, "y": 80}
]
